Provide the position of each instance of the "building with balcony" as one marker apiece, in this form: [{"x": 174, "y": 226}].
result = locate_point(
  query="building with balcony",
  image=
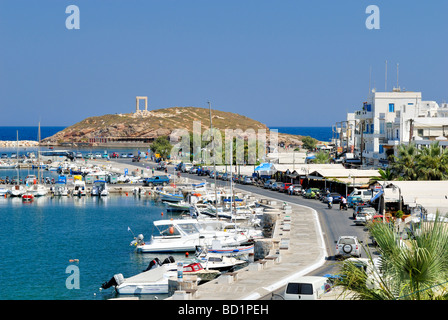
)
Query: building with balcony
[{"x": 393, "y": 118}]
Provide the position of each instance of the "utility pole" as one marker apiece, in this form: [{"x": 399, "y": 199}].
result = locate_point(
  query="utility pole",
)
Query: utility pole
[
  {"x": 362, "y": 141},
  {"x": 214, "y": 156}
]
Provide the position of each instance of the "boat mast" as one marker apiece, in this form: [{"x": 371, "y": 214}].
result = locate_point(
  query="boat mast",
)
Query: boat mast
[
  {"x": 38, "y": 158},
  {"x": 214, "y": 157},
  {"x": 17, "y": 157}
]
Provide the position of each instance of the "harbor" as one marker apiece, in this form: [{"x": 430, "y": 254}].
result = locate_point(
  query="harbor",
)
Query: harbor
[{"x": 281, "y": 255}]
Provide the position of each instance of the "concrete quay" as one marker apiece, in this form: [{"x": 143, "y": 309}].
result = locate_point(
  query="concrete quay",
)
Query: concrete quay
[{"x": 299, "y": 248}]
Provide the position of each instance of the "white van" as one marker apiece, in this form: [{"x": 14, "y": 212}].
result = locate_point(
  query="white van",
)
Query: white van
[
  {"x": 186, "y": 167},
  {"x": 364, "y": 194},
  {"x": 307, "y": 288}
]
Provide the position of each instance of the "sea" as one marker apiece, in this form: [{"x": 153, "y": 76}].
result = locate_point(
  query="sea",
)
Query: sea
[{"x": 59, "y": 248}]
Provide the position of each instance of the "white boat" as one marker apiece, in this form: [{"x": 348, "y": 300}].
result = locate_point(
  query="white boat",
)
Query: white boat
[
  {"x": 60, "y": 189},
  {"x": 4, "y": 192},
  {"x": 80, "y": 188},
  {"x": 17, "y": 190},
  {"x": 38, "y": 190},
  {"x": 7, "y": 165},
  {"x": 184, "y": 235},
  {"x": 219, "y": 261},
  {"x": 154, "y": 281},
  {"x": 99, "y": 188},
  {"x": 171, "y": 197}
]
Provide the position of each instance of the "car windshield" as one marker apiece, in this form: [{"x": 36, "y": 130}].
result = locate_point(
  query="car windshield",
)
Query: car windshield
[{"x": 347, "y": 241}]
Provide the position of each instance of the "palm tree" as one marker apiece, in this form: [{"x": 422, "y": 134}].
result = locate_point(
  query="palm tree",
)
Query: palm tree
[
  {"x": 415, "y": 269},
  {"x": 321, "y": 157},
  {"x": 432, "y": 163},
  {"x": 385, "y": 175},
  {"x": 405, "y": 164}
]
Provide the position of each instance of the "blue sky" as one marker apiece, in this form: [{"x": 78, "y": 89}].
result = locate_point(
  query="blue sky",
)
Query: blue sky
[{"x": 284, "y": 63}]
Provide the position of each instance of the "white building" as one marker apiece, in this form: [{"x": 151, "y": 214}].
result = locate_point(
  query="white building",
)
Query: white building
[{"x": 393, "y": 118}]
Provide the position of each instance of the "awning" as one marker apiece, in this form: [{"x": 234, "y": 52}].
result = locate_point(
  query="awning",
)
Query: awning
[
  {"x": 375, "y": 197},
  {"x": 391, "y": 195}
]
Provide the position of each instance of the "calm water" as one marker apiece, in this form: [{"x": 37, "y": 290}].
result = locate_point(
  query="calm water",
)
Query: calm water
[
  {"x": 38, "y": 240},
  {"x": 319, "y": 133},
  {"x": 30, "y": 133}
]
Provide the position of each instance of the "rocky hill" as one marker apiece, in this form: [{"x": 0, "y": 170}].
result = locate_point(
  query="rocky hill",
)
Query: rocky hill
[{"x": 156, "y": 123}]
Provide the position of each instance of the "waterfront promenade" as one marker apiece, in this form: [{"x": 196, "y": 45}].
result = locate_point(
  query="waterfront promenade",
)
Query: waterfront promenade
[{"x": 299, "y": 249}]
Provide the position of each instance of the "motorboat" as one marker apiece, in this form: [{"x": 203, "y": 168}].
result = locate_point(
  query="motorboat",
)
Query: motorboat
[
  {"x": 37, "y": 190},
  {"x": 27, "y": 197},
  {"x": 171, "y": 197},
  {"x": 4, "y": 192},
  {"x": 99, "y": 188},
  {"x": 7, "y": 165},
  {"x": 219, "y": 261},
  {"x": 178, "y": 206},
  {"x": 79, "y": 188},
  {"x": 154, "y": 280},
  {"x": 184, "y": 235},
  {"x": 17, "y": 190},
  {"x": 232, "y": 250},
  {"x": 60, "y": 189}
]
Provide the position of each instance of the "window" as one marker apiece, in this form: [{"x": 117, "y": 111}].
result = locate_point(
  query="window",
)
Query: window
[
  {"x": 391, "y": 107},
  {"x": 299, "y": 288}
]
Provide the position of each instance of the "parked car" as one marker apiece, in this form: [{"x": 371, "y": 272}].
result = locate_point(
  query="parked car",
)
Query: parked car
[
  {"x": 124, "y": 155},
  {"x": 283, "y": 187},
  {"x": 161, "y": 166},
  {"x": 267, "y": 184},
  {"x": 115, "y": 155},
  {"x": 4, "y": 156},
  {"x": 98, "y": 155},
  {"x": 311, "y": 193},
  {"x": 105, "y": 156},
  {"x": 219, "y": 175},
  {"x": 193, "y": 170},
  {"x": 130, "y": 155},
  {"x": 247, "y": 180},
  {"x": 185, "y": 167},
  {"x": 156, "y": 180},
  {"x": 297, "y": 189},
  {"x": 348, "y": 246},
  {"x": 225, "y": 176},
  {"x": 78, "y": 155},
  {"x": 89, "y": 156},
  {"x": 357, "y": 208},
  {"x": 136, "y": 159},
  {"x": 275, "y": 186},
  {"x": 363, "y": 217}
]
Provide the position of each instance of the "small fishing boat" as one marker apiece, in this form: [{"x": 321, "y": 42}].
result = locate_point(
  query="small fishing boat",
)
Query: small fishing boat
[
  {"x": 153, "y": 280},
  {"x": 17, "y": 190},
  {"x": 99, "y": 188},
  {"x": 60, "y": 189},
  {"x": 178, "y": 206},
  {"x": 4, "y": 192},
  {"x": 171, "y": 197},
  {"x": 80, "y": 188},
  {"x": 218, "y": 261},
  {"x": 27, "y": 197},
  {"x": 38, "y": 190}
]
